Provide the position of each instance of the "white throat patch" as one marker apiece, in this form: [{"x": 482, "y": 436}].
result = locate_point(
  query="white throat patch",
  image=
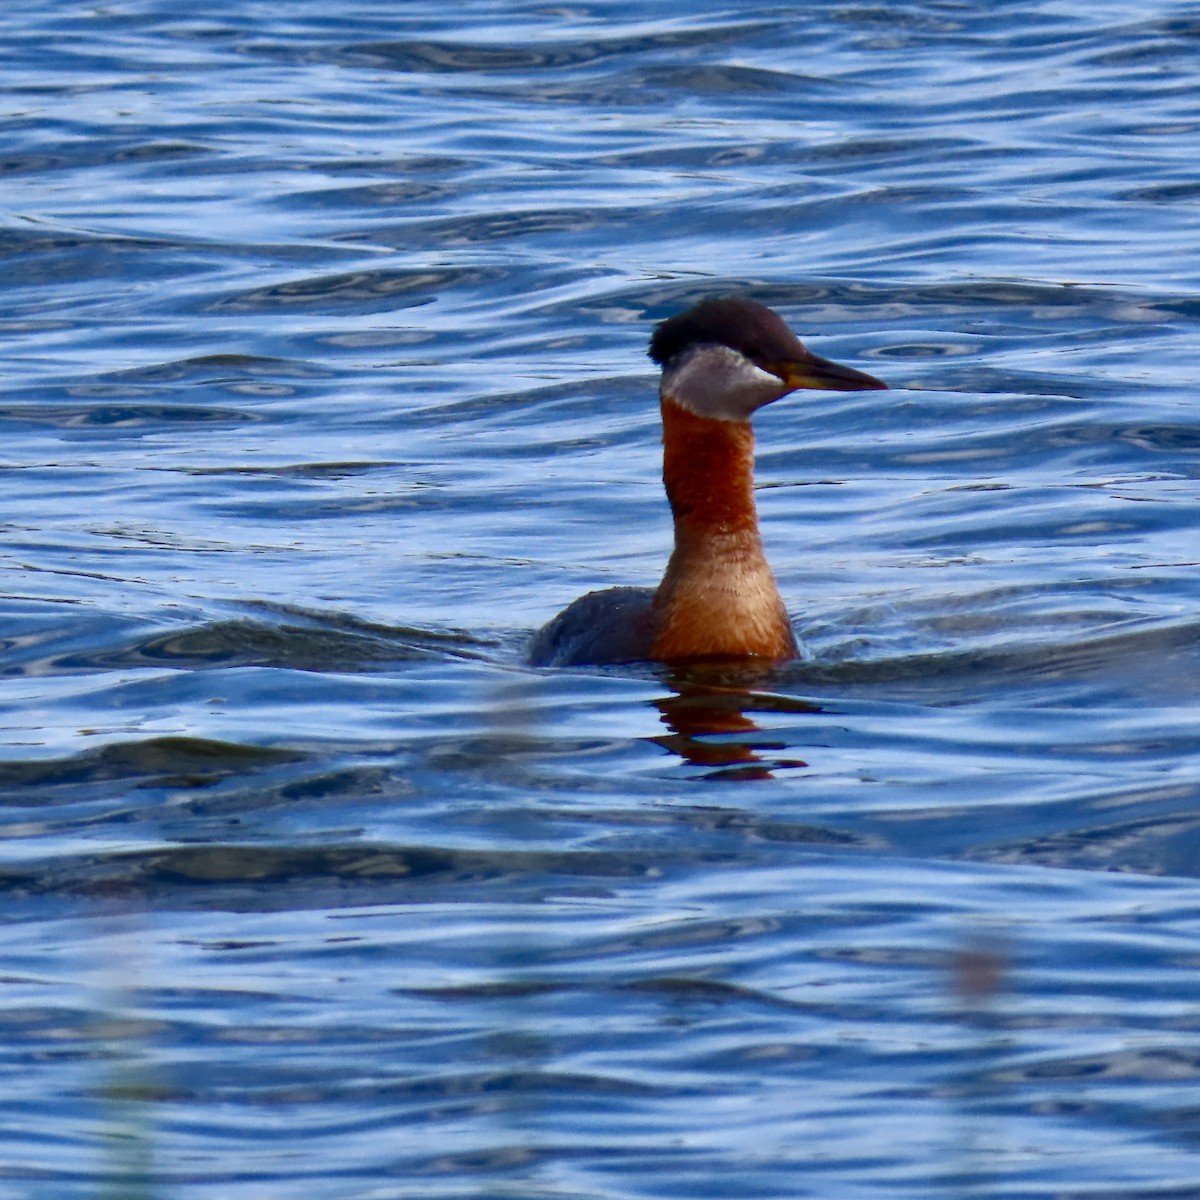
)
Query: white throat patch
[{"x": 719, "y": 383}]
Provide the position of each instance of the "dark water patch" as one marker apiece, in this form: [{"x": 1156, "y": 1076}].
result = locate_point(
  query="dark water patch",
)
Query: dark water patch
[
  {"x": 1010, "y": 432},
  {"x": 726, "y": 744},
  {"x": 1188, "y": 307},
  {"x": 354, "y": 343},
  {"x": 1148, "y": 49},
  {"x": 499, "y": 990},
  {"x": 727, "y": 80},
  {"x": 38, "y": 259},
  {"x": 322, "y": 644},
  {"x": 700, "y": 992},
  {"x": 330, "y": 471},
  {"x": 1160, "y": 845},
  {"x": 558, "y": 404},
  {"x": 1141, "y": 1065},
  {"x": 877, "y": 149},
  {"x": 1134, "y": 654},
  {"x": 370, "y": 195},
  {"x": 443, "y": 57},
  {"x": 150, "y": 762},
  {"x": 213, "y": 368},
  {"x": 483, "y": 228},
  {"x": 406, "y": 493},
  {"x": 77, "y": 155},
  {"x": 1156, "y": 438},
  {"x": 900, "y": 350},
  {"x": 902, "y": 18},
  {"x": 629, "y": 91},
  {"x": 1165, "y": 193},
  {"x": 37, "y": 240},
  {"x": 740, "y": 154},
  {"x": 362, "y": 291},
  {"x": 756, "y": 155},
  {"x": 428, "y": 1096},
  {"x": 195, "y": 801},
  {"x": 45, "y": 639},
  {"x": 139, "y": 418},
  {"x": 274, "y": 877},
  {"x": 389, "y": 167}
]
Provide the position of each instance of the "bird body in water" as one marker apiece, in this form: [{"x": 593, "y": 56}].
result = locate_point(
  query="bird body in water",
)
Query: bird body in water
[{"x": 721, "y": 361}]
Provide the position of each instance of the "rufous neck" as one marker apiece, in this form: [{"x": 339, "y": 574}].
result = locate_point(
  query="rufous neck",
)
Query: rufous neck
[
  {"x": 708, "y": 470},
  {"x": 718, "y": 596}
]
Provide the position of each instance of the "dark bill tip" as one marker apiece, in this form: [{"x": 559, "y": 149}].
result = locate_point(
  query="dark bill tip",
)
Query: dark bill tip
[{"x": 818, "y": 372}]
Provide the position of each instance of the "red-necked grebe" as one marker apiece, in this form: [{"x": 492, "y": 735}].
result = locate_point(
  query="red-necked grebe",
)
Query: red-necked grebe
[{"x": 721, "y": 360}]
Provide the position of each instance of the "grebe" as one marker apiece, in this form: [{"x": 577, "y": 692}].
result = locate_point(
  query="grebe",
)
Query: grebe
[{"x": 721, "y": 360}]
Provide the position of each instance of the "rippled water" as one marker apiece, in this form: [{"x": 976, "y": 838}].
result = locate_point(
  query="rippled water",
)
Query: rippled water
[{"x": 325, "y": 384}]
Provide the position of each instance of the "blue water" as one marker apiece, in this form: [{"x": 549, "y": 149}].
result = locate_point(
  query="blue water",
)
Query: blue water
[{"x": 325, "y": 384}]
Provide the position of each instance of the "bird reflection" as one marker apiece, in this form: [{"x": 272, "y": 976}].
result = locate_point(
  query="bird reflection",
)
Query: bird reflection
[{"x": 708, "y": 722}]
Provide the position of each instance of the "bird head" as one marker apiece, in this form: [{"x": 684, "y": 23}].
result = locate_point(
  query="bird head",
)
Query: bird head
[{"x": 724, "y": 358}]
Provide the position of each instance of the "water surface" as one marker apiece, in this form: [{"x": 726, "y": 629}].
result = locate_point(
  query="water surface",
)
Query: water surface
[{"x": 325, "y": 385}]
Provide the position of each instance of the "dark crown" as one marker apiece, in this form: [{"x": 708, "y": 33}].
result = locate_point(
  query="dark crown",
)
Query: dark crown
[{"x": 751, "y": 329}]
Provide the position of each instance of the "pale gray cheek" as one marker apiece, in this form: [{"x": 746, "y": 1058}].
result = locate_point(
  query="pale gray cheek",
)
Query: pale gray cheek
[{"x": 722, "y": 385}]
